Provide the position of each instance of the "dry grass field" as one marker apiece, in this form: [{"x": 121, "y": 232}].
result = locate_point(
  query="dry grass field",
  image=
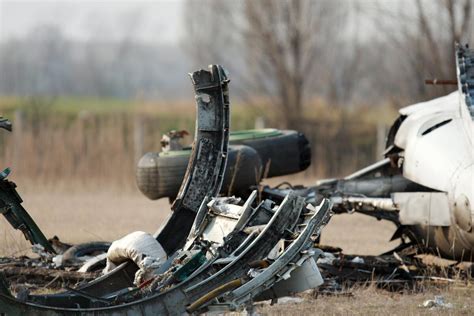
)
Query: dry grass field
[
  {"x": 370, "y": 301},
  {"x": 78, "y": 213},
  {"x": 85, "y": 213},
  {"x": 82, "y": 162}
]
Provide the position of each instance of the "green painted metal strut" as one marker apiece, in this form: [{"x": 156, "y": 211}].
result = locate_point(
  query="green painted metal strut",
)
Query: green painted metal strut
[{"x": 11, "y": 208}]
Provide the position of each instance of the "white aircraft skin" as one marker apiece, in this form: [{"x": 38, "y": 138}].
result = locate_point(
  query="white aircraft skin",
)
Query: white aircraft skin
[
  {"x": 436, "y": 139},
  {"x": 431, "y": 147}
]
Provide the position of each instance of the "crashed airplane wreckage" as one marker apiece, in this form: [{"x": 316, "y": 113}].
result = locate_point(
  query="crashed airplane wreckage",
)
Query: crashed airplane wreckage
[
  {"x": 425, "y": 184},
  {"x": 222, "y": 253},
  {"x": 216, "y": 253}
]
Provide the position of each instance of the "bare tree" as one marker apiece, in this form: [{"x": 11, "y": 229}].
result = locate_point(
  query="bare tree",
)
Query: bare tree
[
  {"x": 425, "y": 38},
  {"x": 284, "y": 41},
  {"x": 455, "y": 18},
  {"x": 278, "y": 43},
  {"x": 210, "y": 31}
]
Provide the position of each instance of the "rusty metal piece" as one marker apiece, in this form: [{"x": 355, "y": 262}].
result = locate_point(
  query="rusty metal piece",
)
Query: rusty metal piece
[{"x": 439, "y": 82}]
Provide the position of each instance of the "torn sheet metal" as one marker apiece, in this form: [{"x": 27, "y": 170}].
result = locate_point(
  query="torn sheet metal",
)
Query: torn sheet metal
[
  {"x": 428, "y": 172},
  {"x": 204, "y": 178},
  {"x": 259, "y": 243},
  {"x": 423, "y": 208},
  {"x": 199, "y": 270},
  {"x": 292, "y": 258},
  {"x": 18, "y": 217}
]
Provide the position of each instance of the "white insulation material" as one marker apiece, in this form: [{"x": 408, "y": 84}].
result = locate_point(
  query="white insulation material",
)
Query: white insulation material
[{"x": 140, "y": 247}]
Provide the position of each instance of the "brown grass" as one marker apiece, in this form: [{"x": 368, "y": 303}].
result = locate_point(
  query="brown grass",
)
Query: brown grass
[
  {"x": 370, "y": 301},
  {"x": 52, "y": 141},
  {"x": 106, "y": 212},
  {"x": 79, "y": 214},
  {"x": 85, "y": 213},
  {"x": 76, "y": 175}
]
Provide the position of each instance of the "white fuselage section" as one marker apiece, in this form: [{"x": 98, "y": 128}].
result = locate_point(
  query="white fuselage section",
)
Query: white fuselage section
[{"x": 438, "y": 152}]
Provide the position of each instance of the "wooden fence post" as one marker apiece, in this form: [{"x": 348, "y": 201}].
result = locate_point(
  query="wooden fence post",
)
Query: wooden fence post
[
  {"x": 138, "y": 137},
  {"x": 18, "y": 132},
  {"x": 380, "y": 142},
  {"x": 259, "y": 122}
]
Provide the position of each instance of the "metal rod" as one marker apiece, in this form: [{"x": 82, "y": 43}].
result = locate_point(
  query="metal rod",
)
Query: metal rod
[{"x": 452, "y": 82}]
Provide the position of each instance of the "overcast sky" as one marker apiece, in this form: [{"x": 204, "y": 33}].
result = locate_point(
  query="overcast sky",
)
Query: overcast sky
[{"x": 158, "y": 21}]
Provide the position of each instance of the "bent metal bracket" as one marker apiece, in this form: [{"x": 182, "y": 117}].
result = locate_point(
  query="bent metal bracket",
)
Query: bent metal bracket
[{"x": 222, "y": 254}]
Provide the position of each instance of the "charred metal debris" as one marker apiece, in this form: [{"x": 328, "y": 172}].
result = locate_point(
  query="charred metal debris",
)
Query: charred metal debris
[
  {"x": 465, "y": 61},
  {"x": 213, "y": 253},
  {"x": 218, "y": 252}
]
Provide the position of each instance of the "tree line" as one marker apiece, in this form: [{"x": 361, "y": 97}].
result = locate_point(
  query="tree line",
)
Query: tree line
[{"x": 285, "y": 53}]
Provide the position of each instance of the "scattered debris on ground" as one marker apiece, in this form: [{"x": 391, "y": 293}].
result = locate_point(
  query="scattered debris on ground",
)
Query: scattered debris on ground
[
  {"x": 218, "y": 253},
  {"x": 341, "y": 272},
  {"x": 438, "y": 302}
]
